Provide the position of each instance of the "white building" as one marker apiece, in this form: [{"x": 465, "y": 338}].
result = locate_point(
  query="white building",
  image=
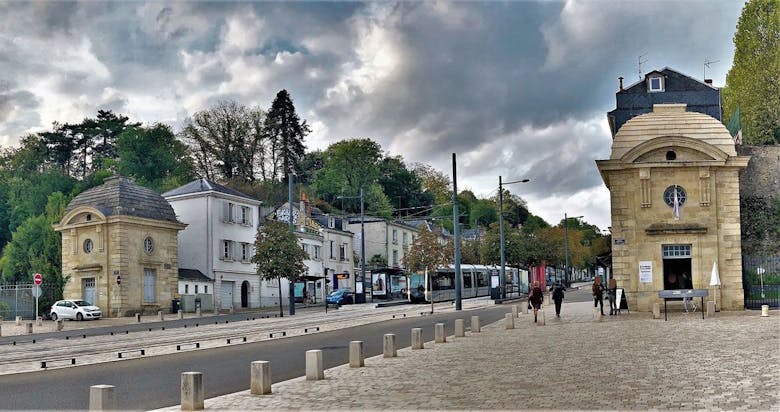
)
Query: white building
[
  {"x": 219, "y": 239},
  {"x": 337, "y": 251},
  {"x": 391, "y": 240}
]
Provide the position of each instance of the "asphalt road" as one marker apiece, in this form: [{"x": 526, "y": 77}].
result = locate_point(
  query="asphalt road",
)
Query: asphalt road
[{"x": 153, "y": 382}]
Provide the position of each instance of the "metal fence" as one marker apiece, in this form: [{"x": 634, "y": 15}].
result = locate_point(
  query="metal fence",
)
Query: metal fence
[
  {"x": 761, "y": 281},
  {"x": 18, "y": 300}
]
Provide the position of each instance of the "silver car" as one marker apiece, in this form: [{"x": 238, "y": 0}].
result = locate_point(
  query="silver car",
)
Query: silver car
[{"x": 74, "y": 309}]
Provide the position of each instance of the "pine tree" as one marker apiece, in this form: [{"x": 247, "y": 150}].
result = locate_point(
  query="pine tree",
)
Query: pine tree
[{"x": 284, "y": 133}]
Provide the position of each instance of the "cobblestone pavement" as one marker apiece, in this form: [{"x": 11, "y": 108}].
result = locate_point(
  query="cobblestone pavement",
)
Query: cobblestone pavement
[{"x": 626, "y": 362}]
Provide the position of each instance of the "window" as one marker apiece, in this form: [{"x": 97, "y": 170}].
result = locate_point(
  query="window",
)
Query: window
[
  {"x": 88, "y": 246},
  {"x": 227, "y": 213},
  {"x": 406, "y": 238},
  {"x": 186, "y": 289},
  {"x": 467, "y": 280},
  {"x": 395, "y": 236},
  {"x": 332, "y": 249},
  {"x": 317, "y": 252},
  {"x": 148, "y": 245},
  {"x": 671, "y": 155},
  {"x": 343, "y": 252},
  {"x": 149, "y": 282},
  {"x": 246, "y": 216},
  {"x": 655, "y": 84},
  {"x": 395, "y": 258},
  {"x": 206, "y": 289},
  {"x": 227, "y": 249},
  {"x": 676, "y": 251},
  {"x": 669, "y": 195},
  {"x": 196, "y": 289},
  {"x": 482, "y": 279},
  {"x": 245, "y": 252}
]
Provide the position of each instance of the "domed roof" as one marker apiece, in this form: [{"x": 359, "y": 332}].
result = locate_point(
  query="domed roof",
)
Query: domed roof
[
  {"x": 121, "y": 196},
  {"x": 671, "y": 120}
]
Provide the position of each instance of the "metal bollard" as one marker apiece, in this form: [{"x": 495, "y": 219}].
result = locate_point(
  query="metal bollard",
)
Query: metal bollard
[
  {"x": 356, "y": 356},
  {"x": 710, "y": 308},
  {"x": 160, "y": 316},
  {"x": 460, "y": 328},
  {"x": 764, "y": 311},
  {"x": 191, "y": 391},
  {"x": 314, "y": 370},
  {"x": 475, "y": 324},
  {"x": 417, "y": 342},
  {"x": 138, "y": 317},
  {"x": 515, "y": 311},
  {"x": 656, "y": 311},
  {"x": 260, "y": 372},
  {"x": 181, "y": 314},
  {"x": 509, "y": 321},
  {"x": 29, "y": 328},
  {"x": 388, "y": 346},
  {"x": 540, "y": 319},
  {"x": 102, "y": 398},
  {"x": 439, "y": 333}
]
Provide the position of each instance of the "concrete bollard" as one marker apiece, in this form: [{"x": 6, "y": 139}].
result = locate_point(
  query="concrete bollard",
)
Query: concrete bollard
[
  {"x": 764, "y": 311},
  {"x": 439, "y": 333},
  {"x": 475, "y": 324},
  {"x": 388, "y": 346},
  {"x": 260, "y": 378},
  {"x": 28, "y": 328},
  {"x": 18, "y": 321},
  {"x": 515, "y": 311},
  {"x": 102, "y": 398},
  {"x": 60, "y": 325},
  {"x": 1, "y": 329},
  {"x": 38, "y": 321},
  {"x": 540, "y": 319},
  {"x": 314, "y": 371},
  {"x": 460, "y": 328},
  {"x": 656, "y": 311},
  {"x": 547, "y": 299},
  {"x": 356, "y": 355},
  {"x": 160, "y": 316},
  {"x": 191, "y": 391},
  {"x": 509, "y": 321},
  {"x": 181, "y": 314},
  {"x": 232, "y": 310},
  {"x": 198, "y": 313},
  {"x": 710, "y": 308},
  {"x": 596, "y": 315},
  {"x": 417, "y": 342},
  {"x": 138, "y": 317},
  {"x": 526, "y": 308}
]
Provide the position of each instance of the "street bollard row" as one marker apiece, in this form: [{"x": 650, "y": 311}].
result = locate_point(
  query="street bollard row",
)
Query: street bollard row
[{"x": 103, "y": 397}]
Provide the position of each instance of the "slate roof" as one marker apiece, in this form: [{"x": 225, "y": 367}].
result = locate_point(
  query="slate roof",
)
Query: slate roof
[
  {"x": 193, "y": 275},
  {"x": 203, "y": 185},
  {"x": 121, "y": 196}
]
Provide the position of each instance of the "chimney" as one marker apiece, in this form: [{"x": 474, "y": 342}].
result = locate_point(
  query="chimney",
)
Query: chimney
[
  {"x": 708, "y": 81},
  {"x": 621, "y": 83}
]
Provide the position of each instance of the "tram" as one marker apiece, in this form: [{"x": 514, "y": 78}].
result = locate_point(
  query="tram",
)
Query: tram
[{"x": 475, "y": 282}]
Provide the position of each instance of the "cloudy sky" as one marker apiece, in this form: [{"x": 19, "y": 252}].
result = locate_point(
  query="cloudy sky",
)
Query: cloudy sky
[{"x": 517, "y": 89}]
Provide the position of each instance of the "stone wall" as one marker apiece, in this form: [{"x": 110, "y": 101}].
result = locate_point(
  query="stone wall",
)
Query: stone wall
[{"x": 759, "y": 197}]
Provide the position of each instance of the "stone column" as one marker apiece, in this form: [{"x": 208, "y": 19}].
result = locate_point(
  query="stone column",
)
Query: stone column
[
  {"x": 356, "y": 356},
  {"x": 439, "y": 333},
  {"x": 475, "y": 324},
  {"x": 314, "y": 369},
  {"x": 102, "y": 398},
  {"x": 388, "y": 347},
  {"x": 460, "y": 328},
  {"x": 191, "y": 391},
  {"x": 261, "y": 378},
  {"x": 509, "y": 321},
  {"x": 417, "y": 342},
  {"x": 515, "y": 312}
]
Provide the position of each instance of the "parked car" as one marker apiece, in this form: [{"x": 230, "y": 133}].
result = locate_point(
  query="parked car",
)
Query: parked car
[
  {"x": 340, "y": 297},
  {"x": 74, "y": 309}
]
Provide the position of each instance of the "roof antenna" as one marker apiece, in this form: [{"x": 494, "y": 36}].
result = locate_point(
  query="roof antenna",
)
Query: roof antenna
[
  {"x": 707, "y": 63},
  {"x": 639, "y": 61}
]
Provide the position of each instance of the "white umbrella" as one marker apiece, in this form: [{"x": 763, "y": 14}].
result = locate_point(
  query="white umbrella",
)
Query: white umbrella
[{"x": 715, "y": 280}]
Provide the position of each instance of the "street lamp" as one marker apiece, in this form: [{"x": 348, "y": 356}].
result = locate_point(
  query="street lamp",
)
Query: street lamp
[
  {"x": 566, "y": 246},
  {"x": 502, "y": 279},
  {"x": 362, "y": 245}
]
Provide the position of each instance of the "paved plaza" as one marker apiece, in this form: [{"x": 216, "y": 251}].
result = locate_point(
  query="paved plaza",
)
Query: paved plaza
[{"x": 728, "y": 362}]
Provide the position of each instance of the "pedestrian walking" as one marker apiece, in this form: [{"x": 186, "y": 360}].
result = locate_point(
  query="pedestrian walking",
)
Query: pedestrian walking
[
  {"x": 612, "y": 295},
  {"x": 536, "y": 298},
  {"x": 598, "y": 294},
  {"x": 557, "y": 297}
]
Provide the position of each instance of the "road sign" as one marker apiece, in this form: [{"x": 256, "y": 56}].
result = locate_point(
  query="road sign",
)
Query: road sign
[
  {"x": 36, "y": 291},
  {"x": 38, "y": 279}
]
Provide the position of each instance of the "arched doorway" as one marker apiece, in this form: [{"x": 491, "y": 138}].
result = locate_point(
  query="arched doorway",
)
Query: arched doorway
[{"x": 244, "y": 294}]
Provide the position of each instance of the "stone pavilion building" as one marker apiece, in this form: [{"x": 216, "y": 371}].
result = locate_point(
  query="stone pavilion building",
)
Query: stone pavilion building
[{"x": 120, "y": 248}]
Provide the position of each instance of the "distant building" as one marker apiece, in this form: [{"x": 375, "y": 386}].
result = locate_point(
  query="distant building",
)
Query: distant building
[
  {"x": 664, "y": 86},
  {"x": 120, "y": 248},
  {"x": 337, "y": 254}
]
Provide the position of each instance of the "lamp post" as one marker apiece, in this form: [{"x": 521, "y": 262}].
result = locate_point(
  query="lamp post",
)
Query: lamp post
[
  {"x": 566, "y": 247},
  {"x": 502, "y": 279},
  {"x": 362, "y": 244}
]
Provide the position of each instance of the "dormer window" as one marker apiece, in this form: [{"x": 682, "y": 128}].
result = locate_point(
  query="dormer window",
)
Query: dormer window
[{"x": 655, "y": 84}]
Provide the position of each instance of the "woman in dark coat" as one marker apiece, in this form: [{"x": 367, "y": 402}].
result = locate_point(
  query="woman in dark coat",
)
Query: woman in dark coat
[
  {"x": 536, "y": 298},
  {"x": 557, "y": 297}
]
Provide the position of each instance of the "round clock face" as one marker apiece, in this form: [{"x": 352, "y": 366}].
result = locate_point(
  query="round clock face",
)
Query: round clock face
[{"x": 669, "y": 195}]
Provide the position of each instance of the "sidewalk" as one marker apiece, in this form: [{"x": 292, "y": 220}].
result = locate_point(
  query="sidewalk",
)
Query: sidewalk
[{"x": 729, "y": 362}]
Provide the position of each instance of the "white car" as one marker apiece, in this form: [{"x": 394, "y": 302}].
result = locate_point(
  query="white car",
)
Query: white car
[{"x": 74, "y": 309}]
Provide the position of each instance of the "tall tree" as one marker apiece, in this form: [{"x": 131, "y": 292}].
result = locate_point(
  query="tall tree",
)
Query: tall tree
[
  {"x": 153, "y": 157},
  {"x": 434, "y": 182},
  {"x": 753, "y": 82},
  {"x": 427, "y": 253},
  {"x": 285, "y": 132},
  {"x": 347, "y": 166},
  {"x": 402, "y": 186},
  {"x": 278, "y": 255}
]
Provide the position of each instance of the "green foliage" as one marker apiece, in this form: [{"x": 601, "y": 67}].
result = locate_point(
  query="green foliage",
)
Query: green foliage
[
  {"x": 35, "y": 247},
  {"x": 377, "y": 261},
  {"x": 278, "y": 253},
  {"x": 753, "y": 82},
  {"x": 347, "y": 166},
  {"x": 284, "y": 132},
  {"x": 435, "y": 183},
  {"x": 426, "y": 252},
  {"x": 760, "y": 225},
  {"x": 402, "y": 186},
  {"x": 153, "y": 157}
]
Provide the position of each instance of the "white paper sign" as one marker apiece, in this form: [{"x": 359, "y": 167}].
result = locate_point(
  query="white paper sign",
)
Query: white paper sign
[
  {"x": 494, "y": 281},
  {"x": 618, "y": 296},
  {"x": 646, "y": 271}
]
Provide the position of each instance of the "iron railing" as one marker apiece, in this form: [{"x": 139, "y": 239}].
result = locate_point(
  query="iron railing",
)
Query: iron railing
[{"x": 761, "y": 281}]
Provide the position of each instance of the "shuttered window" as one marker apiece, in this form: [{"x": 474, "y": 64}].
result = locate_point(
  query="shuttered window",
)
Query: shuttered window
[{"x": 149, "y": 289}]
